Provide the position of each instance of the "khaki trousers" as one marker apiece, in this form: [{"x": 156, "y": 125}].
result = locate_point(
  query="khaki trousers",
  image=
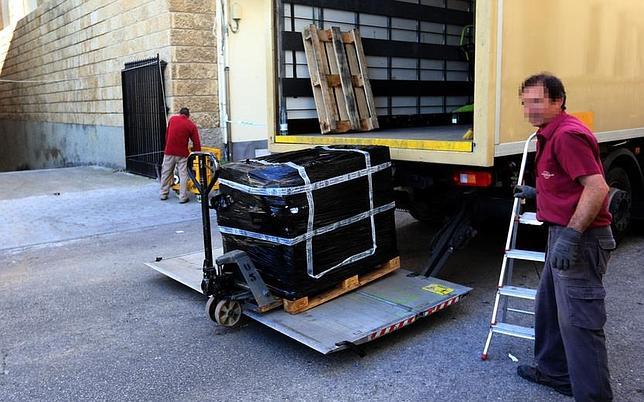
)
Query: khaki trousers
[{"x": 167, "y": 175}]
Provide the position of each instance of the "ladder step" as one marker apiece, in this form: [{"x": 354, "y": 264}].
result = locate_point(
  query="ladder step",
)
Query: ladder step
[
  {"x": 526, "y": 255},
  {"x": 516, "y": 310},
  {"x": 529, "y": 218},
  {"x": 521, "y": 293},
  {"x": 513, "y": 330}
]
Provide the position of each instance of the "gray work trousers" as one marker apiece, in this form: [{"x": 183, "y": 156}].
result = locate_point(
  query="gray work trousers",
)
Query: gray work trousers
[
  {"x": 570, "y": 346},
  {"x": 167, "y": 175}
]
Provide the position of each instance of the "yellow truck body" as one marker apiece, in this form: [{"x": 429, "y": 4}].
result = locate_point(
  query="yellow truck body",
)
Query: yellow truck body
[{"x": 596, "y": 47}]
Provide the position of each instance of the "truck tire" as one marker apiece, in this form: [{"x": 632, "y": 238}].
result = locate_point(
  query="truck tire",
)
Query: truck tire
[
  {"x": 422, "y": 211},
  {"x": 432, "y": 210},
  {"x": 619, "y": 201}
]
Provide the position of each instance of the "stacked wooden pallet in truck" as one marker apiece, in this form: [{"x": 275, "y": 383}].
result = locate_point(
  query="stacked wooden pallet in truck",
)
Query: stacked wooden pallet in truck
[{"x": 341, "y": 89}]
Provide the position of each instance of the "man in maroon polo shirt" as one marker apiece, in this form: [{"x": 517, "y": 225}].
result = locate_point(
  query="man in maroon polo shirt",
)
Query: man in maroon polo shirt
[
  {"x": 571, "y": 196},
  {"x": 176, "y": 152}
]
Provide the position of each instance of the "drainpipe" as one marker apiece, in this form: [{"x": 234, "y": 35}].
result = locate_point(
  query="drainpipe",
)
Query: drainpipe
[
  {"x": 281, "y": 100},
  {"x": 499, "y": 71},
  {"x": 220, "y": 30}
]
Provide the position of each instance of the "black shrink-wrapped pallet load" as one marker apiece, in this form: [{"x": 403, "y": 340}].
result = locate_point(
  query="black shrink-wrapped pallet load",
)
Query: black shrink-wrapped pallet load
[{"x": 310, "y": 219}]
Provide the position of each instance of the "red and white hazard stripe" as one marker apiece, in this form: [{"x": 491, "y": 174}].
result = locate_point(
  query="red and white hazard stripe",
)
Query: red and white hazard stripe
[
  {"x": 441, "y": 306},
  {"x": 404, "y": 323},
  {"x": 392, "y": 328}
]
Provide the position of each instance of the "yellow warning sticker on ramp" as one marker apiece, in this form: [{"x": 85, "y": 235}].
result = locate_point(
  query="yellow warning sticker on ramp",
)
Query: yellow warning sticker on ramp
[{"x": 438, "y": 289}]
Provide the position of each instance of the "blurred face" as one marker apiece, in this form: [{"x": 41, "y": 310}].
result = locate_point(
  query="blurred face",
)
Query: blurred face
[{"x": 537, "y": 106}]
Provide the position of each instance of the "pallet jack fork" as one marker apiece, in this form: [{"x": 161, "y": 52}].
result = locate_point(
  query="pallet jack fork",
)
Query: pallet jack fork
[{"x": 234, "y": 288}]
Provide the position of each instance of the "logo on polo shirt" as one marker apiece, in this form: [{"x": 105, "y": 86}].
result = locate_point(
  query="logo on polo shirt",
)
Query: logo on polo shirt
[{"x": 547, "y": 175}]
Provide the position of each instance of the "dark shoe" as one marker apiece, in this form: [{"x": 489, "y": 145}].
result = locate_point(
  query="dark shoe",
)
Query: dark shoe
[
  {"x": 184, "y": 200},
  {"x": 533, "y": 375}
]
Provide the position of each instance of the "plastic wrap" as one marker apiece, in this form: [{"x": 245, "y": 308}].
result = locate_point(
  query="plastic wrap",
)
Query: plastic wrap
[{"x": 309, "y": 219}]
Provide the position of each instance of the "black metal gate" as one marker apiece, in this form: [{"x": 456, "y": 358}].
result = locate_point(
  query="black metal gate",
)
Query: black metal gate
[{"x": 144, "y": 114}]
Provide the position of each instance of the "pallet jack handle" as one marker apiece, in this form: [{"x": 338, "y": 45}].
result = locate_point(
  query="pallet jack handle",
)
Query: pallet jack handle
[{"x": 204, "y": 186}]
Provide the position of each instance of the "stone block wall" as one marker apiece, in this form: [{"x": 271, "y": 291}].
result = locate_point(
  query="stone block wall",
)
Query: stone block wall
[
  {"x": 193, "y": 65},
  {"x": 61, "y": 65}
]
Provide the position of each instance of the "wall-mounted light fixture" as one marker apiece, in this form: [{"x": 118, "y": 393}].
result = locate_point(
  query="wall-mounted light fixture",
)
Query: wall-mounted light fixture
[{"x": 235, "y": 16}]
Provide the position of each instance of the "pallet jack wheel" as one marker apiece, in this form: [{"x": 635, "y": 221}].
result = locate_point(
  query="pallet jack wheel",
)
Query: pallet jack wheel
[
  {"x": 227, "y": 313},
  {"x": 211, "y": 304}
]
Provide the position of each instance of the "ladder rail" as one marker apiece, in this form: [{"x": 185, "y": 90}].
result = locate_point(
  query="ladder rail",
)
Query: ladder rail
[
  {"x": 509, "y": 267},
  {"x": 517, "y": 202}
]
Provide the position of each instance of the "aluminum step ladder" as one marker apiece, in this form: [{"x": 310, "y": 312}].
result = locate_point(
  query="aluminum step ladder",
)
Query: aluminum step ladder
[{"x": 505, "y": 289}]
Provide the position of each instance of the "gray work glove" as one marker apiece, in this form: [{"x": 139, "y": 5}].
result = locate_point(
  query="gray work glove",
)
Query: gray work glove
[
  {"x": 565, "y": 250},
  {"x": 525, "y": 192}
]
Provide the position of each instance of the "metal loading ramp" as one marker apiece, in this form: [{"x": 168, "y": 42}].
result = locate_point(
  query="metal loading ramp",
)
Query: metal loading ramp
[{"x": 365, "y": 314}]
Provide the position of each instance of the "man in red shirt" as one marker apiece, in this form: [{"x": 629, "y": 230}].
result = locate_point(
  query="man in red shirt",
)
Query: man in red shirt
[
  {"x": 180, "y": 129},
  {"x": 571, "y": 196}
]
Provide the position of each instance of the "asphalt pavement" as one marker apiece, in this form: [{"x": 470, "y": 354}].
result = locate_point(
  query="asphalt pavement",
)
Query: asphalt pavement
[{"x": 82, "y": 317}]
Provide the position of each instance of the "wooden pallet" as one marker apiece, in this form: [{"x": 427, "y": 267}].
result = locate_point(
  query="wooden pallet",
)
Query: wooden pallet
[
  {"x": 349, "y": 284},
  {"x": 341, "y": 89}
]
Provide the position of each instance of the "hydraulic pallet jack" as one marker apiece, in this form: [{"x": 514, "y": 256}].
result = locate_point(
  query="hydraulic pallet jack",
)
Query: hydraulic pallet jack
[{"x": 235, "y": 288}]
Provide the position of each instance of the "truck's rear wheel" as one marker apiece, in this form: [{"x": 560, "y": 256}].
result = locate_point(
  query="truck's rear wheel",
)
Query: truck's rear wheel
[
  {"x": 432, "y": 209},
  {"x": 619, "y": 201},
  {"x": 422, "y": 211}
]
